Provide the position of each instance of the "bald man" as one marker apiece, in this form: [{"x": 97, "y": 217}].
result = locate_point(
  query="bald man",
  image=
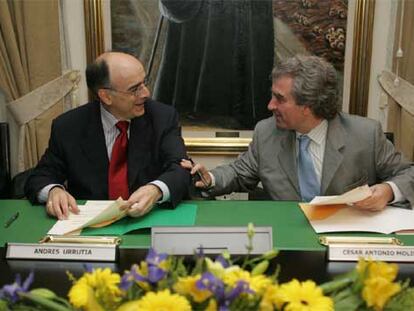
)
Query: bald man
[{"x": 85, "y": 142}]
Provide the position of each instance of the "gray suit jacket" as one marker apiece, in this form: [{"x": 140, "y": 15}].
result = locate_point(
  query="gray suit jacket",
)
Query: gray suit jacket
[{"x": 356, "y": 153}]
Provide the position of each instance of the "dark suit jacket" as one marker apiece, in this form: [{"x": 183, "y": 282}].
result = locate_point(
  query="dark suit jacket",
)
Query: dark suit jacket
[{"x": 77, "y": 154}]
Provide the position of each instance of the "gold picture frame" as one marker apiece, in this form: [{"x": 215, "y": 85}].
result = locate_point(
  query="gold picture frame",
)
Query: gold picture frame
[{"x": 359, "y": 84}]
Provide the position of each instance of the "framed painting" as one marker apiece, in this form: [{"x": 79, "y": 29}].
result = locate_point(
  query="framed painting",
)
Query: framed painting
[{"x": 212, "y": 59}]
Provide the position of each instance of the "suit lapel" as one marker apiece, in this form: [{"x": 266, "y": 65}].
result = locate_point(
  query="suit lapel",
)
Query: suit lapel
[
  {"x": 93, "y": 143},
  {"x": 287, "y": 158},
  {"x": 139, "y": 147},
  {"x": 333, "y": 157}
]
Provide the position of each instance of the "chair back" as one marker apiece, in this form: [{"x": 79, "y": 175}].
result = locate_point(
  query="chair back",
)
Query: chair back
[{"x": 4, "y": 161}]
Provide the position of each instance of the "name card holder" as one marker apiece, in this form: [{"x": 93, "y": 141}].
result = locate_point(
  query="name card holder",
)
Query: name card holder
[
  {"x": 211, "y": 240},
  {"x": 62, "y": 251},
  {"x": 382, "y": 252}
]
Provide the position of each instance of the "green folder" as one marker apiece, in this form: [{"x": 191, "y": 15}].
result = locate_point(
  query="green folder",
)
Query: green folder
[{"x": 183, "y": 215}]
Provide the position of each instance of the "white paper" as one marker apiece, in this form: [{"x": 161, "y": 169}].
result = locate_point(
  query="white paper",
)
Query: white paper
[
  {"x": 352, "y": 196},
  {"x": 75, "y": 221},
  {"x": 389, "y": 220}
]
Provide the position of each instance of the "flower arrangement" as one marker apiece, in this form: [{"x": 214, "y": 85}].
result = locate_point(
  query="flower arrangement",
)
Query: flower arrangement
[{"x": 163, "y": 282}]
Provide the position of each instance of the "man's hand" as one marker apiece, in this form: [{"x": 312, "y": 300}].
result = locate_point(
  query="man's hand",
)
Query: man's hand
[
  {"x": 382, "y": 194},
  {"x": 143, "y": 199},
  {"x": 60, "y": 202},
  {"x": 200, "y": 171}
]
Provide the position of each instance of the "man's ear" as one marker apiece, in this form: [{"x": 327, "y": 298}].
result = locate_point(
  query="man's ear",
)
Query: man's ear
[
  {"x": 104, "y": 96},
  {"x": 307, "y": 110}
]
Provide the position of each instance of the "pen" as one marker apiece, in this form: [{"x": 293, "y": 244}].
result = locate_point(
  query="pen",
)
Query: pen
[
  {"x": 11, "y": 219},
  {"x": 199, "y": 174}
]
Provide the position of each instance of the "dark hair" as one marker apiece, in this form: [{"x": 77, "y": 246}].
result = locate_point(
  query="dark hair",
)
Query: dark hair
[
  {"x": 97, "y": 75},
  {"x": 314, "y": 83}
]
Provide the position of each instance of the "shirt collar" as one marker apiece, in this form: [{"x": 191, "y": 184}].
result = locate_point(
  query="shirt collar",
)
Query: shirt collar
[
  {"x": 318, "y": 133},
  {"x": 108, "y": 119}
]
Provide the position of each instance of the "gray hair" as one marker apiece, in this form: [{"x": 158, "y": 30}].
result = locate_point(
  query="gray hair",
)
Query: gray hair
[{"x": 314, "y": 83}]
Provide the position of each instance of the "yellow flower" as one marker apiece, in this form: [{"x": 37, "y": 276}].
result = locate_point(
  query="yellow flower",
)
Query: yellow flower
[
  {"x": 129, "y": 306},
  {"x": 383, "y": 269},
  {"x": 162, "y": 301},
  {"x": 362, "y": 265},
  {"x": 81, "y": 295},
  {"x": 378, "y": 290},
  {"x": 99, "y": 287},
  {"x": 370, "y": 269},
  {"x": 78, "y": 294},
  {"x": 258, "y": 283},
  {"x": 269, "y": 298},
  {"x": 212, "y": 305},
  {"x": 187, "y": 286},
  {"x": 297, "y": 296}
]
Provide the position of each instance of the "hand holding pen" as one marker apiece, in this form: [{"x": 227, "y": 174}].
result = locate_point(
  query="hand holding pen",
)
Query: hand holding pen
[{"x": 198, "y": 170}]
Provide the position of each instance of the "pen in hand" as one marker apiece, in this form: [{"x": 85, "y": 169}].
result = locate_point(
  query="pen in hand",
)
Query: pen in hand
[
  {"x": 11, "y": 220},
  {"x": 199, "y": 174}
]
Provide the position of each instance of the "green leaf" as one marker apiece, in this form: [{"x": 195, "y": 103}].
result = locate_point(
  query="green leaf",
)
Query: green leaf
[
  {"x": 43, "y": 292},
  {"x": 335, "y": 285},
  {"x": 260, "y": 268},
  {"x": 4, "y": 305},
  {"x": 45, "y": 303},
  {"x": 347, "y": 300},
  {"x": 403, "y": 301}
]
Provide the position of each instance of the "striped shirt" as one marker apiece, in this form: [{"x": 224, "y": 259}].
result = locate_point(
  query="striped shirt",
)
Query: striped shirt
[{"x": 316, "y": 146}]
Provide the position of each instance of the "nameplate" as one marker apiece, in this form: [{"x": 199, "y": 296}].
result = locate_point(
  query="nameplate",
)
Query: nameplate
[
  {"x": 353, "y": 252},
  {"x": 210, "y": 240},
  {"x": 61, "y": 251}
]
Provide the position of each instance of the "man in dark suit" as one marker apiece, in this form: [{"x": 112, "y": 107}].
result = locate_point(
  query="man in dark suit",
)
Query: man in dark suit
[
  {"x": 124, "y": 145},
  {"x": 309, "y": 148}
]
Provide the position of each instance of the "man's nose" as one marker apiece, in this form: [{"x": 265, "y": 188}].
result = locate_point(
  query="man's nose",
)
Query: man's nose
[
  {"x": 272, "y": 105},
  {"x": 145, "y": 93}
]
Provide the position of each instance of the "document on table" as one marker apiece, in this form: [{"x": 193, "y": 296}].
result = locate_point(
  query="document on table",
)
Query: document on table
[
  {"x": 348, "y": 219},
  {"x": 95, "y": 216},
  {"x": 352, "y": 196},
  {"x": 333, "y": 214},
  {"x": 93, "y": 213}
]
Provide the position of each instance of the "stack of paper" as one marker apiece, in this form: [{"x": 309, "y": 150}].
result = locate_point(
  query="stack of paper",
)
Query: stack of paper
[
  {"x": 108, "y": 218},
  {"x": 93, "y": 213},
  {"x": 334, "y": 214}
]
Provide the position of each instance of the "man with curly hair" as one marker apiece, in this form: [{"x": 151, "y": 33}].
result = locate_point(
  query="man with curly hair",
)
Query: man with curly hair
[{"x": 309, "y": 148}]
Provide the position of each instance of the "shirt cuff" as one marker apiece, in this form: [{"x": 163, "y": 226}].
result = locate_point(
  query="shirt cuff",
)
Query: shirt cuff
[
  {"x": 213, "y": 180},
  {"x": 164, "y": 189},
  {"x": 43, "y": 194},
  {"x": 205, "y": 192},
  {"x": 398, "y": 196}
]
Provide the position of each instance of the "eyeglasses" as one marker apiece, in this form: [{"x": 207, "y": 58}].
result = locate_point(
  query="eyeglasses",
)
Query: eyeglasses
[{"x": 136, "y": 91}]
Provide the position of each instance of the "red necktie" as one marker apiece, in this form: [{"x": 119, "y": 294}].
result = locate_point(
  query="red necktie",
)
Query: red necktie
[{"x": 118, "y": 167}]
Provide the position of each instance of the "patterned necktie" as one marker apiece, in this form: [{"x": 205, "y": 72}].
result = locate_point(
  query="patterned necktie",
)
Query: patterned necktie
[
  {"x": 118, "y": 167},
  {"x": 308, "y": 182}
]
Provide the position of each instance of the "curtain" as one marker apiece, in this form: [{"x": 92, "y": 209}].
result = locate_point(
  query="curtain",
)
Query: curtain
[
  {"x": 400, "y": 121},
  {"x": 30, "y": 57}
]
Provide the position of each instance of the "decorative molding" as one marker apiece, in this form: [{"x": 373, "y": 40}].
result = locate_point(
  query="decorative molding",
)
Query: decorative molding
[
  {"x": 213, "y": 145},
  {"x": 361, "y": 56},
  {"x": 94, "y": 29}
]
